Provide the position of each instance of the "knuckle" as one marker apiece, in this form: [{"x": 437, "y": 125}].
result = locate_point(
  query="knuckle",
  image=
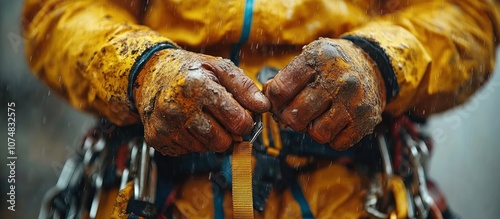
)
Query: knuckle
[
  {"x": 174, "y": 110},
  {"x": 350, "y": 83},
  {"x": 151, "y": 139},
  {"x": 368, "y": 116},
  {"x": 319, "y": 135},
  {"x": 277, "y": 89},
  {"x": 246, "y": 83},
  {"x": 171, "y": 112},
  {"x": 222, "y": 145},
  {"x": 344, "y": 143},
  {"x": 197, "y": 146},
  {"x": 341, "y": 146},
  {"x": 227, "y": 65},
  {"x": 194, "y": 83},
  {"x": 195, "y": 74},
  {"x": 363, "y": 110},
  {"x": 200, "y": 124},
  {"x": 170, "y": 150},
  {"x": 293, "y": 121},
  {"x": 317, "y": 43}
]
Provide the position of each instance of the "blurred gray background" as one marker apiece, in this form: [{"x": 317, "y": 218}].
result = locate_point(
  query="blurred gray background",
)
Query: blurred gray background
[{"x": 465, "y": 162}]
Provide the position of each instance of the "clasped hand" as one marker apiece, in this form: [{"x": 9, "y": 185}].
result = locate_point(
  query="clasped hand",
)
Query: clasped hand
[{"x": 189, "y": 102}]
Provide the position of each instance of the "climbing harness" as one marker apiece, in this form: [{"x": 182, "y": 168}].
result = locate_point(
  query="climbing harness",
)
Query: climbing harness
[
  {"x": 258, "y": 164},
  {"x": 400, "y": 190},
  {"x": 95, "y": 169}
]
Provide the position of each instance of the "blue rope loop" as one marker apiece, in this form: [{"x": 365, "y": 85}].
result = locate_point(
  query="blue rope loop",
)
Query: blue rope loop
[{"x": 245, "y": 32}]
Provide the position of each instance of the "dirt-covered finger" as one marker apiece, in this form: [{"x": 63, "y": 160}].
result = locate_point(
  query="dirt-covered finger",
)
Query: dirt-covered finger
[
  {"x": 188, "y": 141},
  {"x": 208, "y": 131},
  {"x": 289, "y": 82},
  {"x": 227, "y": 110},
  {"x": 305, "y": 107},
  {"x": 169, "y": 129},
  {"x": 346, "y": 138},
  {"x": 324, "y": 128},
  {"x": 172, "y": 149},
  {"x": 239, "y": 85}
]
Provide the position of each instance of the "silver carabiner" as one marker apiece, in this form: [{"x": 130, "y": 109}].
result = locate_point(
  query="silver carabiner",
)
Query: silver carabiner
[
  {"x": 258, "y": 126},
  {"x": 131, "y": 170},
  {"x": 62, "y": 183},
  {"x": 94, "y": 206},
  {"x": 92, "y": 148},
  {"x": 422, "y": 199},
  {"x": 411, "y": 205},
  {"x": 143, "y": 170},
  {"x": 140, "y": 181},
  {"x": 96, "y": 166},
  {"x": 374, "y": 191},
  {"x": 153, "y": 177},
  {"x": 384, "y": 153}
]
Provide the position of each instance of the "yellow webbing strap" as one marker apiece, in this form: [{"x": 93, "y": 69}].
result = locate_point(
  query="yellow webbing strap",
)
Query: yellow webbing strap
[
  {"x": 399, "y": 190},
  {"x": 242, "y": 180},
  {"x": 268, "y": 122}
]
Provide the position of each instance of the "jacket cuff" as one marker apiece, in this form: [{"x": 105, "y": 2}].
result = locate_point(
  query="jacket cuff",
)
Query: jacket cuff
[
  {"x": 378, "y": 55},
  {"x": 110, "y": 68},
  {"x": 394, "y": 48}
]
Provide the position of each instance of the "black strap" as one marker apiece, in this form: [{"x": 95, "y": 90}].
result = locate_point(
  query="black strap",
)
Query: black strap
[
  {"x": 139, "y": 64},
  {"x": 380, "y": 57}
]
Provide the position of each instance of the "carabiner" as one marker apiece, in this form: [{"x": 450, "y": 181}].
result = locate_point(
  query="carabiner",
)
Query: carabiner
[
  {"x": 62, "y": 184},
  {"x": 258, "y": 126},
  {"x": 398, "y": 189},
  {"x": 143, "y": 170},
  {"x": 384, "y": 153}
]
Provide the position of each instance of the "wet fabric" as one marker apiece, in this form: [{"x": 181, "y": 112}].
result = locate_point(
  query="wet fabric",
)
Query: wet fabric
[
  {"x": 332, "y": 191},
  {"x": 440, "y": 50}
]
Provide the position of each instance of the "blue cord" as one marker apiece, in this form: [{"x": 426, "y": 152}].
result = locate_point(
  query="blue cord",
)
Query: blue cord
[
  {"x": 301, "y": 199},
  {"x": 245, "y": 32},
  {"x": 218, "y": 194}
]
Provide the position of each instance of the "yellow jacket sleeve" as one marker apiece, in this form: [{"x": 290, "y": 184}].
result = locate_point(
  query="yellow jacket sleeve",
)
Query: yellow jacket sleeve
[
  {"x": 84, "y": 49},
  {"x": 441, "y": 51}
]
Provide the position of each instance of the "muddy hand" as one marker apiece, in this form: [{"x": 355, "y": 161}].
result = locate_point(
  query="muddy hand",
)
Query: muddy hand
[
  {"x": 190, "y": 102},
  {"x": 332, "y": 90}
]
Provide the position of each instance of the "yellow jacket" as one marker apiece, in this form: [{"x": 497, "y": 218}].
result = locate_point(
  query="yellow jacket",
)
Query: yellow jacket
[{"x": 441, "y": 50}]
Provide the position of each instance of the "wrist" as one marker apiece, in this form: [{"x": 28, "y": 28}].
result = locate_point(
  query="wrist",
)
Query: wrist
[
  {"x": 136, "y": 76},
  {"x": 384, "y": 67},
  {"x": 375, "y": 73},
  {"x": 379, "y": 80}
]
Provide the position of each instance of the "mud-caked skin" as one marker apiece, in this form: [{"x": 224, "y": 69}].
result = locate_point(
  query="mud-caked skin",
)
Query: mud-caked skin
[
  {"x": 333, "y": 91},
  {"x": 189, "y": 102}
]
